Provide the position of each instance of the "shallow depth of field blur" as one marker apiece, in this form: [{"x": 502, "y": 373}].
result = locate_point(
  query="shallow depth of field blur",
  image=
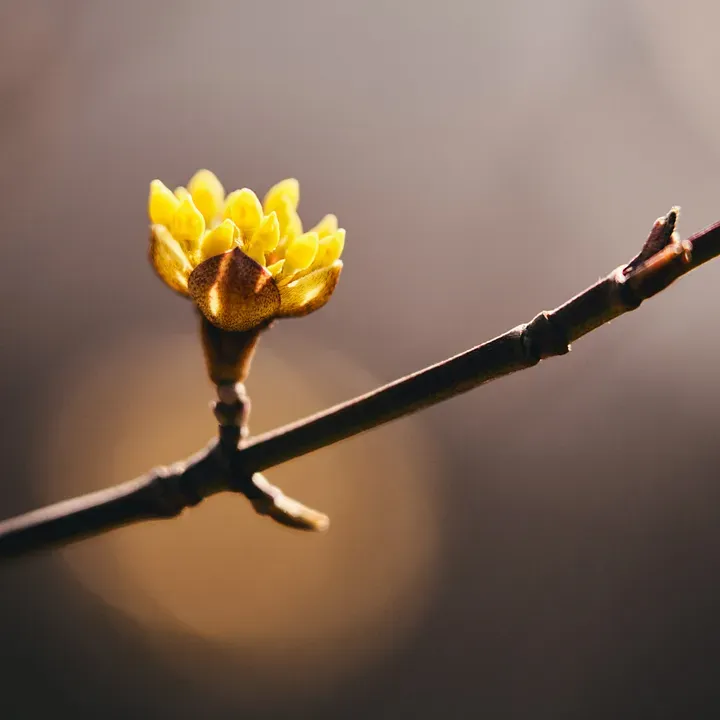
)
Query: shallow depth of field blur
[{"x": 543, "y": 547}]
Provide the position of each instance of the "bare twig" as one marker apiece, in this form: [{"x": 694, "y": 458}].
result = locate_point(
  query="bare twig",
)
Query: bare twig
[{"x": 233, "y": 463}]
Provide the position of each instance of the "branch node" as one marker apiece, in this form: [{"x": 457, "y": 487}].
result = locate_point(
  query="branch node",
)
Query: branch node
[{"x": 543, "y": 338}]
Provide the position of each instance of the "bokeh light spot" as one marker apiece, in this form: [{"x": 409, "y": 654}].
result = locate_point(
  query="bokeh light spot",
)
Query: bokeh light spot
[{"x": 309, "y": 608}]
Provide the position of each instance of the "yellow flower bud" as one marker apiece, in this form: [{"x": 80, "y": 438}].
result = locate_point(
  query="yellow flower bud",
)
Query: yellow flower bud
[
  {"x": 244, "y": 209},
  {"x": 188, "y": 224},
  {"x": 300, "y": 253},
  {"x": 162, "y": 204},
  {"x": 327, "y": 226},
  {"x": 219, "y": 240},
  {"x": 241, "y": 264},
  {"x": 208, "y": 194},
  {"x": 284, "y": 191}
]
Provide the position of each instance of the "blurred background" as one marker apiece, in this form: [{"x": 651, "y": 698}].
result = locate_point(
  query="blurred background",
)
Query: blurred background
[{"x": 544, "y": 547}]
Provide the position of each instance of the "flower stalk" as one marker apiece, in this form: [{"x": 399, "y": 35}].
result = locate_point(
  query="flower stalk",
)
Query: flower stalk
[{"x": 228, "y": 356}]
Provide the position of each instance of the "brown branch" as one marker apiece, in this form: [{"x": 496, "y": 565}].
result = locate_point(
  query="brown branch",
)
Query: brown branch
[
  {"x": 662, "y": 260},
  {"x": 225, "y": 466}
]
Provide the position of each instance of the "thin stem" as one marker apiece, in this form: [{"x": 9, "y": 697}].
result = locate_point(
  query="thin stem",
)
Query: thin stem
[
  {"x": 233, "y": 463},
  {"x": 498, "y": 357}
]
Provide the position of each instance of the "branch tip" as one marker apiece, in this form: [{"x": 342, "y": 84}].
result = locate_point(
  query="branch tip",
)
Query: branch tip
[{"x": 661, "y": 235}]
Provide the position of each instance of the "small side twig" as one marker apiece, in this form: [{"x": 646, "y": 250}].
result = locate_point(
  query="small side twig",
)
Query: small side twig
[
  {"x": 232, "y": 412},
  {"x": 233, "y": 463}
]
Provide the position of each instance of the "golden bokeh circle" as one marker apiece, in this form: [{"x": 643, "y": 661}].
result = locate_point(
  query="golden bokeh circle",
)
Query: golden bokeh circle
[{"x": 220, "y": 572}]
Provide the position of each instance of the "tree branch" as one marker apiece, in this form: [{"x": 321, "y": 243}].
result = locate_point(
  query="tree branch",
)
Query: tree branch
[
  {"x": 663, "y": 259},
  {"x": 233, "y": 463}
]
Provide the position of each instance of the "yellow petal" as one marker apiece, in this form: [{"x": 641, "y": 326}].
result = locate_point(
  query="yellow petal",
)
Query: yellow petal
[
  {"x": 276, "y": 268},
  {"x": 244, "y": 209},
  {"x": 331, "y": 248},
  {"x": 181, "y": 193},
  {"x": 207, "y": 193},
  {"x": 301, "y": 252},
  {"x": 290, "y": 223},
  {"x": 335, "y": 246},
  {"x": 219, "y": 240},
  {"x": 256, "y": 254},
  {"x": 327, "y": 226},
  {"x": 285, "y": 191},
  {"x": 310, "y": 292},
  {"x": 267, "y": 236},
  {"x": 234, "y": 292},
  {"x": 168, "y": 259},
  {"x": 188, "y": 224},
  {"x": 162, "y": 204}
]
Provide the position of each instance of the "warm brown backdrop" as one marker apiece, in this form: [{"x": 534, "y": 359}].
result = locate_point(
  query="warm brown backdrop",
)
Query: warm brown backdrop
[{"x": 545, "y": 547}]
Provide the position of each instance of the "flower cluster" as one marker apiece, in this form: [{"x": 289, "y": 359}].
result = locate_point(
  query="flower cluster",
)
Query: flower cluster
[{"x": 241, "y": 261}]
